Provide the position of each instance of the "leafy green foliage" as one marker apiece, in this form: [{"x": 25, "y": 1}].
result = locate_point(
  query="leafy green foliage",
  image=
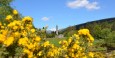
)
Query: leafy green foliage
[
  {"x": 5, "y": 2},
  {"x": 110, "y": 40},
  {"x": 41, "y": 32},
  {"x": 5, "y": 8}
]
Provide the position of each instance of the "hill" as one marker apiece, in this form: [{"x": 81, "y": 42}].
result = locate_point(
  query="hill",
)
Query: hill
[
  {"x": 93, "y": 26},
  {"x": 107, "y": 20}
]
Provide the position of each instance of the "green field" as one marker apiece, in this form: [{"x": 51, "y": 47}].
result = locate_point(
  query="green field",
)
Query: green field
[{"x": 55, "y": 41}]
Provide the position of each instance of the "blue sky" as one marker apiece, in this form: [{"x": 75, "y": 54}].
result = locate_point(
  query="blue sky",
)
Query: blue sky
[{"x": 64, "y": 13}]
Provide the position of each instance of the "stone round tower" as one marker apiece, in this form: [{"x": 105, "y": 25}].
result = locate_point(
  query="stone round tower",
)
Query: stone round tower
[{"x": 56, "y": 29}]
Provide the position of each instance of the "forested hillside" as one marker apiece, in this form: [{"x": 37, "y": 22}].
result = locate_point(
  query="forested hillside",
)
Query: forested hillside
[
  {"x": 93, "y": 26},
  {"x": 102, "y": 30}
]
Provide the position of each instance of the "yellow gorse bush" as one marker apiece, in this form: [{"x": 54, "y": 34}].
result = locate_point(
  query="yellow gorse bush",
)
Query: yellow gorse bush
[{"x": 21, "y": 34}]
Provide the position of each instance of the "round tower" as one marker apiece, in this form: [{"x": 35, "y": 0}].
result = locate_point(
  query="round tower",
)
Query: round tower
[{"x": 56, "y": 29}]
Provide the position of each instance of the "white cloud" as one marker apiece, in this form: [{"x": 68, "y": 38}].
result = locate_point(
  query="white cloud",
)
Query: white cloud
[
  {"x": 53, "y": 29},
  {"x": 83, "y": 4},
  {"x": 45, "y": 18}
]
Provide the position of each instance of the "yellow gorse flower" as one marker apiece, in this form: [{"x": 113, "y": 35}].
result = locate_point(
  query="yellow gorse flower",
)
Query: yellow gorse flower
[
  {"x": 23, "y": 41},
  {"x": 30, "y": 46},
  {"x": 8, "y": 41},
  {"x": 77, "y": 36},
  {"x": 9, "y": 17},
  {"x": 75, "y": 46},
  {"x": 4, "y": 32},
  {"x": 27, "y": 19},
  {"x": 2, "y": 38},
  {"x": 15, "y": 27},
  {"x": 46, "y": 43},
  {"x": 50, "y": 54},
  {"x": 91, "y": 39},
  {"x": 32, "y": 30},
  {"x": 16, "y": 34},
  {"x": 69, "y": 40},
  {"x": 40, "y": 53},
  {"x": 15, "y": 12},
  {"x": 26, "y": 51},
  {"x": 0, "y": 24},
  {"x": 83, "y": 32},
  {"x": 91, "y": 54},
  {"x": 37, "y": 38}
]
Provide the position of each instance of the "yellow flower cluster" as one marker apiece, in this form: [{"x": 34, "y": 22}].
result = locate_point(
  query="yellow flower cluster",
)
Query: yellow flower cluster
[
  {"x": 27, "y": 19},
  {"x": 9, "y": 17},
  {"x": 22, "y": 34},
  {"x": 83, "y": 32},
  {"x": 8, "y": 41},
  {"x": 76, "y": 46},
  {"x": 15, "y": 12},
  {"x": 86, "y": 33}
]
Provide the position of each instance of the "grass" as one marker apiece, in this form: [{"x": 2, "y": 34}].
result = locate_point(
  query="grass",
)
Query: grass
[{"x": 55, "y": 41}]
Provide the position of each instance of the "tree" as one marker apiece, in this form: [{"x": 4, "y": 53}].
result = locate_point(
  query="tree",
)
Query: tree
[
  {"x": 5, "y": 9},
  {"x": 110, "y": 41},
  {"x": 113, "y": 26}
]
